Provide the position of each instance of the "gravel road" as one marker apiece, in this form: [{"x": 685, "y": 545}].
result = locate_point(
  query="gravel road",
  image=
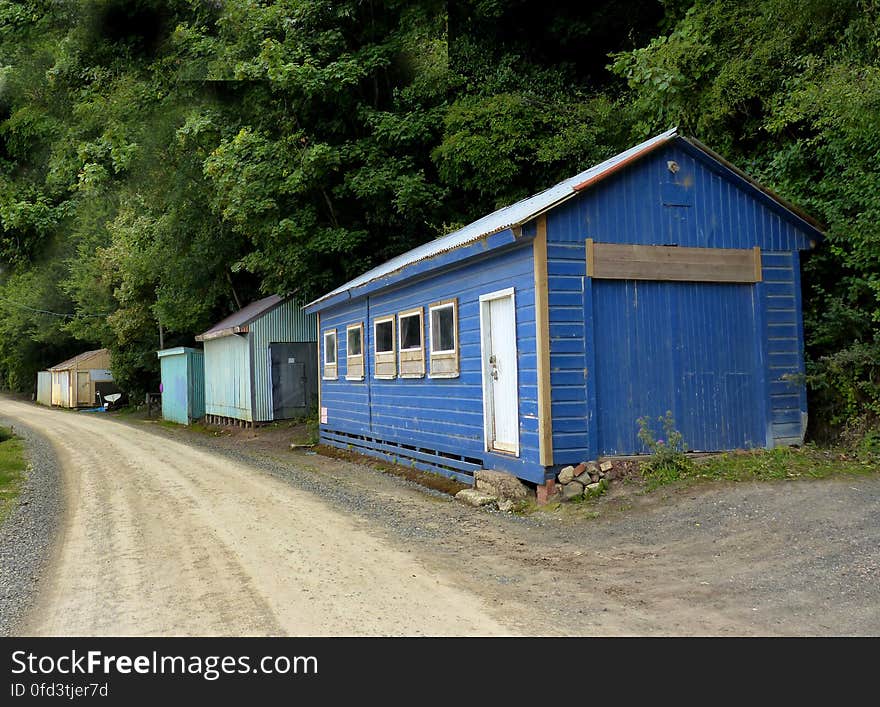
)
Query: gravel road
[
  {"x": 26, "y": 536},
  {"x": 171, "y": 532}
]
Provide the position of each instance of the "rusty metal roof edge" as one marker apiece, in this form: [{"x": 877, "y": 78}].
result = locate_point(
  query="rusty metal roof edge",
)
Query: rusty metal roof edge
[{"x": 242, "y": 326}]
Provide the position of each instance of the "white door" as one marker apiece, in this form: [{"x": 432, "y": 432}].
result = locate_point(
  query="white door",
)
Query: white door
[{"x": 500, "y": 391}]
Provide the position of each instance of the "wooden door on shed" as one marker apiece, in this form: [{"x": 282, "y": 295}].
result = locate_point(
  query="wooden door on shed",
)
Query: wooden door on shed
[
  {"x": 688, "y": 347},
  {"x": 83, "y": 388},
  {"x": 292, "y": 369}
]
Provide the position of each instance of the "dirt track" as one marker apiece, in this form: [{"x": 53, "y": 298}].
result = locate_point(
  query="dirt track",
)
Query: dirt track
[
  {"x": 163, "y": 539},
  {"x": 169, "y": 532}
]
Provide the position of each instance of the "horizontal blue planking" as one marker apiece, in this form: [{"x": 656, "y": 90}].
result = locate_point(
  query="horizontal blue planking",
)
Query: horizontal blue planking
[
  {"x": 784, "y": 346},
  {"x": 566, "y": 268},
  {"x": 349, "y": 400},
  {"x": 441, "y": 414}
]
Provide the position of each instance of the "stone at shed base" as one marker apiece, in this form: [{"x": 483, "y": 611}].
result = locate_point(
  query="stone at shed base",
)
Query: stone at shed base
[
  {"x": 475, "y": 497},
  {"x": 501, "y": 485},
  {"x": 506, "y": 506},
  {"x": 566, "y": 474},
  {"x": 547, "y": 492},
  {"x": 572, "y": 490}
]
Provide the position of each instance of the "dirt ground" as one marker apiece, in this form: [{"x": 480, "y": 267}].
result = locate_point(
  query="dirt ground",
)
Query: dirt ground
[{"x": 171, "y": 531}]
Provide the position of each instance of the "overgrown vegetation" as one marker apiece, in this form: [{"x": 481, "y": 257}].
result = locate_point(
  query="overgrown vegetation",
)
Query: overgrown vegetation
[
  {"x": 164, "y": 161},
  {"x": 12, "y": 466},
  {"x": 669, "y": 460}
]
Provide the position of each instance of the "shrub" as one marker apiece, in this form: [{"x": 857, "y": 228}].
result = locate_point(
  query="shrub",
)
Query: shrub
[{"x": 669, "y": 460}]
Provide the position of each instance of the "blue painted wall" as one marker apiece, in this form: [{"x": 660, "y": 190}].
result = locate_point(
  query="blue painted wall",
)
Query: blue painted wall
[
  {"x": 440, "y": 414},
  {"x": 727, "y": 359},
  {"x": 699, "y": 206}
]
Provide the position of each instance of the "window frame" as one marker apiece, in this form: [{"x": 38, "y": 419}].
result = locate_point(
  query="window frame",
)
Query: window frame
[
  {"x": 331, "y": 370},
  {"x": 444, "y": 358},
  {"x": 354, "y": 360},
  {"x": 412, "y": 360},
  {"x": 385, "y": 358}
]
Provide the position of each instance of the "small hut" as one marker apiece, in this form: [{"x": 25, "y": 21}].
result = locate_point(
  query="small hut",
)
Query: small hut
[
  {"x": 77, "y": 381},
  {"x": 261, "y": 363},
  {"x": 663, "y": 279},
  {"x": 183, "y": 384},
  {"x": 44, "y": 388}
]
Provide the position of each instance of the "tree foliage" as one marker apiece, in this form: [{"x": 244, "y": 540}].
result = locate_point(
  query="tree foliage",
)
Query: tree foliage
[{"x": 162, "y": 162}]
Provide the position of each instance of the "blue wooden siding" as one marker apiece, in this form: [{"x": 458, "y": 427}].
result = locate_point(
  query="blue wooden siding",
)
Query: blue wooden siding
[
  {"x": 688, "y": 348},
  {"x": 228, "y": 391},
  {"x": 445, "y": 415},
  {"x": 286, "y": 323},
  {"x": 699, "y": 206}
]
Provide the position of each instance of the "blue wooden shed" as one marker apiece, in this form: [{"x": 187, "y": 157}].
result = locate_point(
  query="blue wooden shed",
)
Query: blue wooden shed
[
  {"x": 183, "y": 384},
  {"x": 261, "y": 362},
  {"x": 661, "y": 279}
]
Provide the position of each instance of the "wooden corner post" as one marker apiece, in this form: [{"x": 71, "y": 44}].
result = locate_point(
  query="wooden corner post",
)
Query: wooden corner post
[{"x": 542, "y": 344}]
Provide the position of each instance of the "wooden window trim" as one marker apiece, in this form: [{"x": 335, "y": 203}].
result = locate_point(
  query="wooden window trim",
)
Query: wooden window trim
[
  {"x": 356, "y": 359},
  {"x": 415, "y": 354},
  {"x": 330, "y": 369},
  {"x": 385, "y": 357},
  {"x": 450, "y": 355}
]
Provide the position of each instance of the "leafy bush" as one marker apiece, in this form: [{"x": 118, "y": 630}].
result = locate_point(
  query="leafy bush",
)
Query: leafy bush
[{"x": 669, "y": 460}]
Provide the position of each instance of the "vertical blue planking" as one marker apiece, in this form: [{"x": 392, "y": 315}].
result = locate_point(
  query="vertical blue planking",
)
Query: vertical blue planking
[{"x": 688, "y": 348}]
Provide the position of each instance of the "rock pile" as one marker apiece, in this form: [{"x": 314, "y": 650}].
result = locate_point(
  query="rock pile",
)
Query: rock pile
[{"x": 586, "y": 479}]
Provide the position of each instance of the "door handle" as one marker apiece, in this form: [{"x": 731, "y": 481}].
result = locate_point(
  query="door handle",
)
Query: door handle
[{"x": 494, "y": 374}]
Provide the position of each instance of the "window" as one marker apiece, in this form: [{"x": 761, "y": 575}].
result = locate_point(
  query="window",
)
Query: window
[
  {"x": 354, "y": 352},
  {"x": 330, "y": 354},
  {"x": 412, "y": 347},
  {"x": 383, "y": 341},
  {"x": 443, "y": 321}
]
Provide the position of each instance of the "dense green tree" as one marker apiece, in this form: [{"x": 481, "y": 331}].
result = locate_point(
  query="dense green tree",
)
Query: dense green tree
[{"x": 162, "y": 162}]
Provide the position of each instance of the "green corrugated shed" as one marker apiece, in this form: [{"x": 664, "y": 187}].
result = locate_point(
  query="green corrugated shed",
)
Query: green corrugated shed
[{"x": 251, "y": 357}]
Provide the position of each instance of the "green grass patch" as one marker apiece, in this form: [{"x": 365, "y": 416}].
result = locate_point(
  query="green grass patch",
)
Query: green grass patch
[
  {"x": 12, "y": 466},
  {"x": 808, "y": 462}
]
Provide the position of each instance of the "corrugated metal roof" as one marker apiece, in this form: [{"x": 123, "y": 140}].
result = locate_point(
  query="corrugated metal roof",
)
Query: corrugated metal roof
[
  {"x": 71, "y": 362},
  {"x": 512, "y": 215},
  {"x": 244, "y": 316}
]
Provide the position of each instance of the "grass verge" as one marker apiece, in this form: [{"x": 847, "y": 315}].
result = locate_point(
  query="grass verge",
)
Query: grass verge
[
  {"x": 807, "y": 462},
  {"x": 12, "y": 466}
]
